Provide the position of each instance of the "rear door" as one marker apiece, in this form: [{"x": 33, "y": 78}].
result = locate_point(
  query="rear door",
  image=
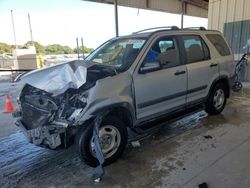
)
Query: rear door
[
  {"x": 224, "y": 55},
  {"x": 161, "y": 91},
  {"x": 202, "y": 70}
]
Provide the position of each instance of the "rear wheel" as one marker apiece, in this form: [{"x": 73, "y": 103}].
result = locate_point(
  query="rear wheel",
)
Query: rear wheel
[
  {"x": 217, "y": 99},
  {"x": 113, "y": 140}
]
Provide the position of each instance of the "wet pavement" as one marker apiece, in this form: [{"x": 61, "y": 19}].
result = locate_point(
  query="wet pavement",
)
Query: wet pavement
[
  {"x": 6, "y": 121},
  {"x": 195, "y": 149}
]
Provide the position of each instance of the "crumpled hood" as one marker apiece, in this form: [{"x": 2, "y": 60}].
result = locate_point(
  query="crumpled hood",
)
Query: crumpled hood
[
  {"x": 53, "y": 94},
  {"x": 57, "y": 79}
]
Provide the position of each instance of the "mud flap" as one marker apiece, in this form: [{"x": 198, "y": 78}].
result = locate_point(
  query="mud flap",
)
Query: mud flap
[{"x": 99, "y": 170}]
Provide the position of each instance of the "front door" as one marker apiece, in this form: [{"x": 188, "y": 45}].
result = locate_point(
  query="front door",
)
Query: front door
[{"x": 164, "y": 90}]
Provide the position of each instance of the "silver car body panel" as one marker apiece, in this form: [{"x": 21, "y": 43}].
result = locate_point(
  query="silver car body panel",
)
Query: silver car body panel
[
  {"x": 201, "y": 75},
  {"x": 142, "y": 95},
  {"x": 57, "y": 79},
  {"x": 107, "y": 93}
]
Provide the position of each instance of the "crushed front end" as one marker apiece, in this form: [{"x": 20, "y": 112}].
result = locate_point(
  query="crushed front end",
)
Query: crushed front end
[
  {"x": 53, "y": 101},
  {"x": 48, "y": 120}
]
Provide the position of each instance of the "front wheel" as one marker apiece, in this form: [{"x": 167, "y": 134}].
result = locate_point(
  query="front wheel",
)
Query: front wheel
[
  {"x": 217, "y": 99},
  {"x": 113, "y": 140}
]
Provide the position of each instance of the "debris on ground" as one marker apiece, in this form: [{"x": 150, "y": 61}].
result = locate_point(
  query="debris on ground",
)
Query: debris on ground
[
  {"x": 99, "y": 170},
  {"x": 97, "y": 180},
  {"x": 208, "y": 137},
  {"x": 136, "y": 144},
  {"x": 213, "y": 146},
  {"x": 203, "y": 185}
]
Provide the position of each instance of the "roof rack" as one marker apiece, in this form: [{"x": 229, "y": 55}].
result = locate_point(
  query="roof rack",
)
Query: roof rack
[
  {"x": 199, "y": 28},
  {"x": 158, "y": 28}
]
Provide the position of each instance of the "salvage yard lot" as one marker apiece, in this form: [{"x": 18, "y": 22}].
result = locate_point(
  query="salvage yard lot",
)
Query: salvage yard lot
[{"x": 196, "y": 149}]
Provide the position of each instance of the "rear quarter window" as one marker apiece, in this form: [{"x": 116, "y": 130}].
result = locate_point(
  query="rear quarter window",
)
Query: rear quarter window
[{"x": 219, "y": 43}]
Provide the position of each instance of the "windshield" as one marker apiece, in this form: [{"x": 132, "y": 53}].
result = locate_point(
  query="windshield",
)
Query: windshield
[{"x": 119, "y": 53}]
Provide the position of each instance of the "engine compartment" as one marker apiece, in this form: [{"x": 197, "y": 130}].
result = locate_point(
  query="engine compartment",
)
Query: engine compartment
[
  {"x": 40, "y": 108},
  {"x": 45, "y": 117}
]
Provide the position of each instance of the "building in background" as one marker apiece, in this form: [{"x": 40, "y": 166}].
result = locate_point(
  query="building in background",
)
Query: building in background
[
  {"x": 232, "y": 17},
  {"x": 25, "y": 58}
]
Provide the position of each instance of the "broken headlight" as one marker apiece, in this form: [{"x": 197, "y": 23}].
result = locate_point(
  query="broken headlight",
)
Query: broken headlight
[
  {"x": 78, "y": 100},
  {"x": 74, "y": 105},
  {"x": 80, "y": 103}
]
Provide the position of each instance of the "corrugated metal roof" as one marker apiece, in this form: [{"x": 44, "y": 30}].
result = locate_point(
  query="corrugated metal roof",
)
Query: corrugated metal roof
[{"x": 197, "y": 8}]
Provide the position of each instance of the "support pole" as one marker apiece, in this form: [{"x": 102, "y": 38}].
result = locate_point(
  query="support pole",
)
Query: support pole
[
  {"x": 182, "y": 13},
  {"x": 116, "y": 18},
  {"x": 31, "y": 36},
  {"x": 13, "y": 25},
  {"x": 77, "y": 45},
  {"x": 82, "y": 49}
]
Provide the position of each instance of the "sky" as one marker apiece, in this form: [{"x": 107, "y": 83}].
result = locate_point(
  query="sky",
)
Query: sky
[{"x": 61, "y": 21}]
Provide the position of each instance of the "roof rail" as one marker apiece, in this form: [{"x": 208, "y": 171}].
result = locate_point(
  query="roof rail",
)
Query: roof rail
[
  {"x": 199, "y": 28},
  {"x": 158, "y": 28}
]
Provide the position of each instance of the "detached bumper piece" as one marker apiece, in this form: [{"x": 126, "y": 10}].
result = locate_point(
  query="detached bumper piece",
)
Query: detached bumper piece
[
  {"x": 99, "y": 171},
  {"x": 43, "y": 136},
  {"x": 17, "y": 114}
]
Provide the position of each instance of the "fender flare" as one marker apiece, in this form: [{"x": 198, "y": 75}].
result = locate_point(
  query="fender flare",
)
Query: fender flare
[
  {"x": 218, "y": 79},
  {"x": 110, "y": 108}
]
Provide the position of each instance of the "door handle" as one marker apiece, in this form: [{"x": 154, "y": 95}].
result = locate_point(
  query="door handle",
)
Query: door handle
[
  {"x": 179, "y": 72},
  {"x": 213, "y": 64}
]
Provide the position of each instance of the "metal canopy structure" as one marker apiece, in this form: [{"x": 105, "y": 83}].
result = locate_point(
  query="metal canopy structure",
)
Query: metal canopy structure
[{"x": 198, "y": 8}]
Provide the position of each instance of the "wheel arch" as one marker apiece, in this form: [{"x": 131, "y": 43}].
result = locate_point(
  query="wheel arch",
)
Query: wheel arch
[
  {"x": 221, "y": 79},
  {"x": 123, "y": 111}
]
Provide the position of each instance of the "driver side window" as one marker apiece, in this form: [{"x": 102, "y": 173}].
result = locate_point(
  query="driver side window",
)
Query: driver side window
[{"x": 165, "y": 51}]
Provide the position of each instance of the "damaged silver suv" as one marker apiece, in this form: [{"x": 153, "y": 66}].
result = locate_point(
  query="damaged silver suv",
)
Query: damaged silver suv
[{"x": 128, "y": 84}]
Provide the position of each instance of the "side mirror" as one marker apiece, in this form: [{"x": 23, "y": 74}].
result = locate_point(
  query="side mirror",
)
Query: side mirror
[{"x": 150, "y": 66}]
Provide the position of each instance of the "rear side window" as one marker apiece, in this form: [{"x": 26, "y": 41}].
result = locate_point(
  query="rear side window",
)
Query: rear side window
[
  {"x": 219, "y": 43},
  {"x": 196, "y": 49}
]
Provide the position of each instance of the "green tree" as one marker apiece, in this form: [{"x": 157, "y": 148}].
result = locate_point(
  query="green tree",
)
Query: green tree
[
  {"x": 39, "y": 47},
  {"x": 14, "y": 46},
  {"x": 84, "y": 49},
  {"x": 67, "y": 50},
  {"x": 58, "y": 49},
  {"x": 50, "y": 49},
  {"x": 5, "y": 48}
]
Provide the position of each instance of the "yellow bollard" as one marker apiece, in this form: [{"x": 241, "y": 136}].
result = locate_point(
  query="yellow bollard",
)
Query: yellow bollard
[{"x": 40, "y": 61}]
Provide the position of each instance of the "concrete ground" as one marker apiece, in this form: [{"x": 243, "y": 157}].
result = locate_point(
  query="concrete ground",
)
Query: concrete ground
[
  {"x": 196, "y": 149},
  {"x": 6, "y": 121}
]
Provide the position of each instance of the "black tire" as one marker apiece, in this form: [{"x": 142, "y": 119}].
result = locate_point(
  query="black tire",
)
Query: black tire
[
  {"x": 84, "y": 137},
  {"x": 211, "y": 105}
]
